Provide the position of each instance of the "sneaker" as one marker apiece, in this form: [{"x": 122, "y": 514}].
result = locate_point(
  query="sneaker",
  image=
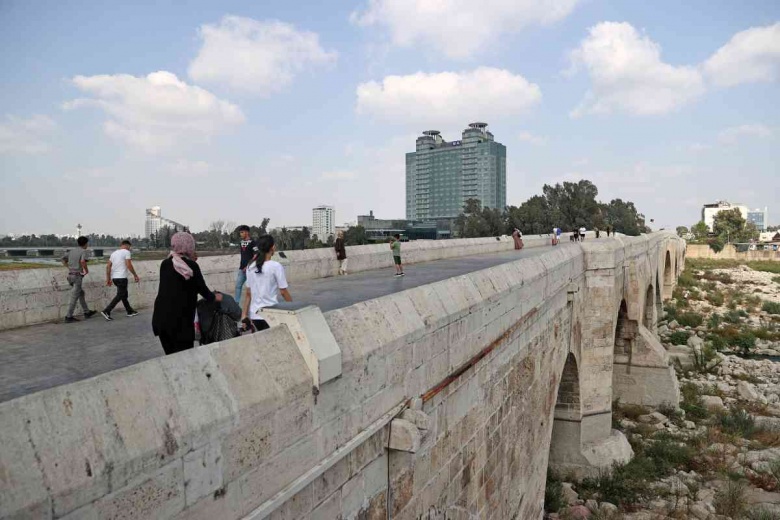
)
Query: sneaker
[
  {"x": 398, "y": 274},
  {"x": 107, "y": 315},
  {"x": 402, "y": 274},
  {"x": 89, "y": 314},
  {"x": 132, "y": 313},
  {"x": 70, "y": 319}
]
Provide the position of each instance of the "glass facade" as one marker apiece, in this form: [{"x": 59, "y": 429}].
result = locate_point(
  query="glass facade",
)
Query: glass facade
[
  {"x": 441, "y": 175},
  {"x": 759, "y": 218}
]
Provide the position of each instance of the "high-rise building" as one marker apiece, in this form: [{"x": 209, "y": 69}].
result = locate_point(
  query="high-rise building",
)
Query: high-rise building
[
  {"x": 759, "y": 217},
  {"x": 323, "y": 222},
  {"x": 155, "y": 221},
  {"x": 708, "y": 211},
  {"x": 441, "y": 176}
]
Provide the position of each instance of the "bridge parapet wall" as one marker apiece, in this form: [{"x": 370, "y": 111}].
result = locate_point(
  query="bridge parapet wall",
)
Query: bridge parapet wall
[{"x": 30, "y": 296}]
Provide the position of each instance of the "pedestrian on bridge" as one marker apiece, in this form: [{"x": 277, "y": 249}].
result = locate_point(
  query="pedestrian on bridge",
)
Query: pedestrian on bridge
[
  {"x": 341, "y": 252},
  {"x": 180, "y": 283},
  {"x": 517, "y": 236},
  {"x": 265, "y": 281},
  {"x": 76, "y": 262},
  {"x": 395, "y": 246},
  {"x": 248, "y": 252},
  {"x": 118, "y": 268}
]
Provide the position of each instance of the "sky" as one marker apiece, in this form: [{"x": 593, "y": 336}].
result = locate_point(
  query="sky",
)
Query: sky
[{"x": 240, "y": 110}]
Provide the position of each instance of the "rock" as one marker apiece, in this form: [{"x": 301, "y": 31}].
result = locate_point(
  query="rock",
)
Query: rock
[
  {"x": 569, "y": 495},
  {"x": 663, "y": 329},
  {"x": 653, "y": 418},
  {"x": 747, "y": 391},
  {"x": 592, "y": 505},
  {"x": 712, "y": 402},
  {"x": 607, "y": 508},
  {"x": 673, "y": 324},
  {"x": 699, "y": 512},
  {"x": 578, "y": 512},
  {"x": 690, "y": 425},
  {"x": 695, "y": 342}
]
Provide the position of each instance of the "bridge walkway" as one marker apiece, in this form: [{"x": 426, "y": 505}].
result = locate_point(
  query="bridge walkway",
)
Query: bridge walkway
[{"x": 43, "y": 356}]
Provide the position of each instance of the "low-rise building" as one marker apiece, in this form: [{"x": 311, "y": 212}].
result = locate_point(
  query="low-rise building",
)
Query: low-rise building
[{"x": 708, "y": 211}]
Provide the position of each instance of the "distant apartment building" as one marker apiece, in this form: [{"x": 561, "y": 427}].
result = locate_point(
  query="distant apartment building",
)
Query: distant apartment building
[
  {"x": 155, "y": 222},
  {"x": 759, "y": 217},
  {"x": 708, "y": 211},
  {"x": 441, "y": 176},
  {"x": 323, "y": 222}
]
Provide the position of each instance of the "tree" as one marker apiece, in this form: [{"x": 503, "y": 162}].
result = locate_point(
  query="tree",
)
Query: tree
[
  {"x": 533, "y": 216},
  {"x": 572, "y": 205},
  {"x": 624, "y": 218},
  {"x": 700, "y": 230},
  {"x": 476, "y": 221},
  {"x": 355, "y": 236},
  {"x": 682, "y": 231},
  {"x": 731, "y": 225}
]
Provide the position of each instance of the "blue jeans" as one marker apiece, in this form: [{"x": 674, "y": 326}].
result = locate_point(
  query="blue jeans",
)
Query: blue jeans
[{"x": 240, "y": 281}]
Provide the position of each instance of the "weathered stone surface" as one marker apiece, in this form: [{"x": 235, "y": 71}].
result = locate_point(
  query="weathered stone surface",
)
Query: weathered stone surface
[{"x": 713, "y": 402}]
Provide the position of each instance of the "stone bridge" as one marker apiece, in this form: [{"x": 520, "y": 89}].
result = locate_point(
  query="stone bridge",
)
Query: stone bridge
[{"x": 445, "y": 400}]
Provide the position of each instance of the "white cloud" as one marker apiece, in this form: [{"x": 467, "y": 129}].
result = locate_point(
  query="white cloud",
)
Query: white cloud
[
  {"x": 438, "y": 99},
  {"x": 627, "y": 74},
  {"x": 25, "y": 136},
  {"x": 536, "y": 140},
  {"x": 339, "y": 175},
  {"x": 750, "y": 56},
  {"x": 190, "y": 169},
  {"x": 156, "y": 112},
  {"x": 255, "y": 57},
  {"x": 458, "y": 28},
  {"x": 733, "y": 134}
]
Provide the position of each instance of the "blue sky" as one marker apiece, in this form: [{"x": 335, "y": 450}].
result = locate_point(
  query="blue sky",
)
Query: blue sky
[{"x": 243, "y": 110}]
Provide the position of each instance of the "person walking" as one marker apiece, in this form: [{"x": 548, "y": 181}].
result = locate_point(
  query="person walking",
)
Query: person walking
[
  {"x": 609, "y": 230},
  {"x": 341, "y": 252},
  {"x": 555, "y": 236},
  {"x": 248, "y": 253},
  {"x": 395, "y": 246},
  {"x": 582, "y": 234},
  {"x": 76, "y": 262},
  {"x": 180, "y": 283},
  {"x": 598, "y": 232},
  {"x": 517, "y": 236},
  {"x": 265, "y": 281},
  {"x": 117, "y": 269}
]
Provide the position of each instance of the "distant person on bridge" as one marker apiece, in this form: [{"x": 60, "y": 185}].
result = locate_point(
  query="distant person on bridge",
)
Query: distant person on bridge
[
  {"x": 517, "y": 236},
  {"x": 341, "y": 252},
  {"x": 265, "y": 281},
  {"x": 76, "y": 262},
  {"x": 582, "y": 234},
  {"x": 598, "y": 232},
  {"x": 180, "y": 283},
  {"x": 248, "y": 252},
  {"x": 395, "y": 245},
  {"x": 118, "y": 267},
  {"x": 609, "y": 230}
]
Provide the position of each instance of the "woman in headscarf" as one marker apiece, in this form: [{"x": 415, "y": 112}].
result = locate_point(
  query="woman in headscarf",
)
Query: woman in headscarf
[
  {"x": 180, "y": 283},
  {"x": 517, "y": 236}
]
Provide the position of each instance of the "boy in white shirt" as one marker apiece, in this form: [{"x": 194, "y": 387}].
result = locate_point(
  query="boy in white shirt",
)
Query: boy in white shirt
[
  {"x": 265, "y": 281},
  {"x": 118, "y": 267}
]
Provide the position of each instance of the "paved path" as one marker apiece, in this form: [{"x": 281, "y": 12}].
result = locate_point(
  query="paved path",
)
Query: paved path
[{"x": 42, "y": 356}]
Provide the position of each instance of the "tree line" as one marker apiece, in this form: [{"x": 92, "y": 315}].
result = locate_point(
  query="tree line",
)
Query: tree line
[
  {"x": 728, "y": 227},
  {"x": 568, "y": 206}
]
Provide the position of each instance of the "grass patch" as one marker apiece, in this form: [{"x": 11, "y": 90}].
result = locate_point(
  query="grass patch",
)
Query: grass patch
[
  {"x": 738, "y": 422},
  {"x": 679, "y": 337},
  {"x": 745, "y": 341},
  {"x": 690, "y": 319},
  {"x": 761, "y": 513},
  {"x": 771, "y": 307},
  {"x": 776, "y": 279},
  {"x": 731, "y": 500},
  {"x": 716, "y": 298},
  {"x": 692, "y": 403},
  {"x": 625, "y": 485},
  {"x": 553, "y": 493},
  {"x": 766, "y": 266},
  {"x": 686, "y": 279},
  {"x": 11, "y": 266}
]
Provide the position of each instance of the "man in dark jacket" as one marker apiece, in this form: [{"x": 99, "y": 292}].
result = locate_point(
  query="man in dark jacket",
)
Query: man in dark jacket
[{"x": 341, "y": 253}]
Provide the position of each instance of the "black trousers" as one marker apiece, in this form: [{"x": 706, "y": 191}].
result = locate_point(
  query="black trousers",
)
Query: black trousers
[
  {"x": 121, "y": 296},
  {"x": 172, "y": 345}
]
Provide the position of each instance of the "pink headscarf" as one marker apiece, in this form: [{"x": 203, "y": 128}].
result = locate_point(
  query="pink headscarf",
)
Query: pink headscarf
[{"x": 182, "y": 244}]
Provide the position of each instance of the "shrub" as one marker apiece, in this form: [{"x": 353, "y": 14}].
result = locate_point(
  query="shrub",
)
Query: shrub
[
  {"x": 679, "y": 337},
  {"x": 738, "y": 422},
  {"x": 692, "y": 403},
  {"x": 686, "y": 279},
  {"x": 553, "y": 493},
  {"x": 671, "y": 311},
  {"x": 771, "y": 307},
  {"x": 744, "y": 341},
  {"x": 732, "y": 316},
  {"x": 713, "y": 321},
  {"x": 776, "y": 279},
  {"x": 717, "y": 342},
  {"x": 716, "y": 298},
  {"x": 690, "y": 319},
  {"x": 731, "y": 500},
  {"x": 625, "y": 485},
  {"x": 761, "y": 513},
  {"x": 668, "y": 454}
]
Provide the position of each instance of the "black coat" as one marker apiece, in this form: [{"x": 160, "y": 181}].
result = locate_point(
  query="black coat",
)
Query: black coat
[
  {"x": 341, "y": 251},
  {"x": 174, "y": 307}
]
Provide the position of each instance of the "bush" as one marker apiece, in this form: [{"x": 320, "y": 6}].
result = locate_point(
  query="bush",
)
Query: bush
[
  {"x": 625, "y": 485},
  {"x": 776, "y": 279},
  {"x": 668, "y": 454},
  {"x": 738, "y": 422},
  {"x": 690, "y": 319},
  {"x": 761, "y": 513},
  {"x": 744, "y": 341},
  {"x": 718, "y": 342},
  {"x": 732, "y": 316},
  {"x": 553, "y": 493},
  {"x": 692, "y": 403},
  {"x": 713, "y": 321},
  {"x": 730, "y": 500},
  {"x": 771, "y": 307},
  {"x": 716, "y": 298},
  {"x": 671, "y": 312},
  {"x": 679, "y": 337},
  {"x": 686, "y": 279}
]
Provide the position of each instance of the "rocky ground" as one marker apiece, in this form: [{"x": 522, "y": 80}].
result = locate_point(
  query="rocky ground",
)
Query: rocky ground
[{"x": 717, "y": 454}]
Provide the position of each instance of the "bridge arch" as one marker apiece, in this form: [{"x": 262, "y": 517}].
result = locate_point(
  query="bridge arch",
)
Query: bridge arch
[
  {"x": 566, "y": 438},
  {"x": 649, "y": 318},
  {"x": 668, "y": 276},
  {"x": 625, "y": 333}
]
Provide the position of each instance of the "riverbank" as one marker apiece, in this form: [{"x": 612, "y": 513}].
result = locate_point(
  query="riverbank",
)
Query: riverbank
[{"x": 717, "y": 454}]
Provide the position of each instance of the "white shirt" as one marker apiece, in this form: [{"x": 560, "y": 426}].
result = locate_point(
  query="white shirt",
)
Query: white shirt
[
  {"x": 582, "y": 231},
  {"x": 264, "y": 287},
  {"x": 119, "y": 260}
]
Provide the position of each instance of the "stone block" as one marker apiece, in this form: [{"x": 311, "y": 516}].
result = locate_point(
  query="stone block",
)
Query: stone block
[
  {"x": 404, "y": 436},
  {"x": 202, "y": 472}
]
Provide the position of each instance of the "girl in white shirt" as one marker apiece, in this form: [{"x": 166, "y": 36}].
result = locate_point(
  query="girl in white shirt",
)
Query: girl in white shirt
[{"x": 265, "y": 281}]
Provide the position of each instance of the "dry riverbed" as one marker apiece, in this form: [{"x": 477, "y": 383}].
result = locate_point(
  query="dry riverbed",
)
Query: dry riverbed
[{"x": 717, "y": 454}]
